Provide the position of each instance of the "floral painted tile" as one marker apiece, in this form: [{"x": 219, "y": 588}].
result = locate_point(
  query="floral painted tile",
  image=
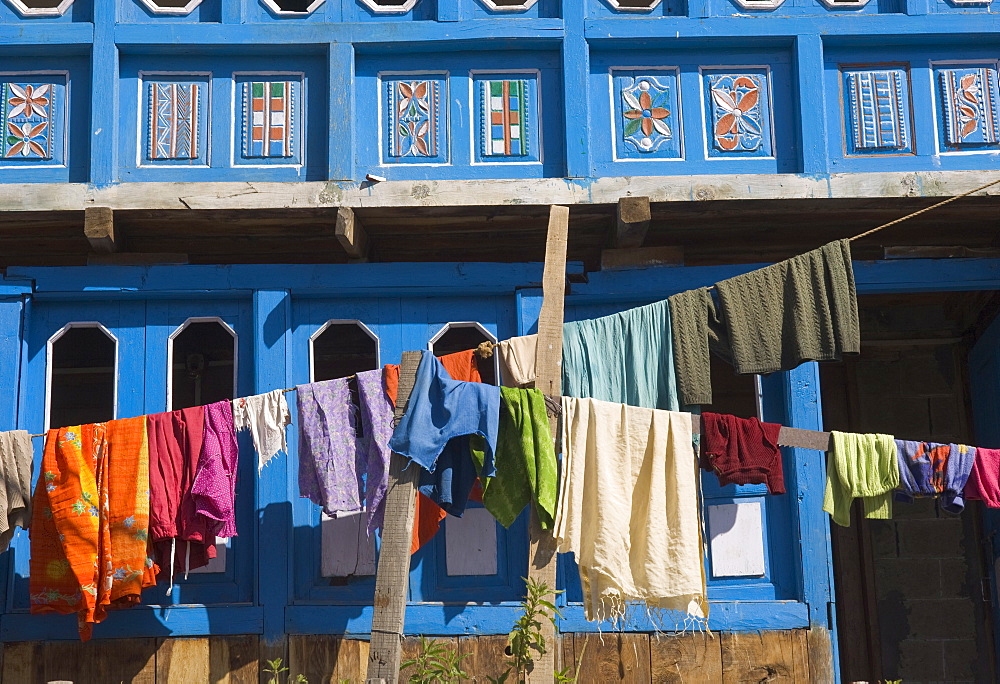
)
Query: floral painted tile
[{"x": 647, "y": 121}]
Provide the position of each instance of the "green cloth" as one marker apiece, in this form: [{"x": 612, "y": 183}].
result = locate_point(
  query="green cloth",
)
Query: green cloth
[
  {"x": 525, "y": 460},
  {"x": 862, "y": 466},
  {"x": 625, "y": 358},
  {"x": 772, "y": 319}
]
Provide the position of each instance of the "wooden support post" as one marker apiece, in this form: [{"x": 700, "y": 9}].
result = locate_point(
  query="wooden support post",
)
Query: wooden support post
[
  {"x": 393, "y": 571},
  {"x": 99, "y": 229},
  {"x": 634, "y": 216},
  {"x": 351, "y": 234},
  {"x": 548, "y": 379}
]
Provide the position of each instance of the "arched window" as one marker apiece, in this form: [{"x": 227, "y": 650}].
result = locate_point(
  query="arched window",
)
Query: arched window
[
  {"x": 390, "y": 6},
  {"x": 41, "y": 8},
  {"x": 202, "y": 354},
  {"x": 456, "y": 337},
  {"x": 633, "y": 5},
  {"x": 292, "y": 6},
  {"x": 509, "y": 5},
  {"x": 175, "y": 7},
  {"x": 82, "y": 375},
  {"x": 338, "y": 349},
  {"x": 342, "y": 348}
]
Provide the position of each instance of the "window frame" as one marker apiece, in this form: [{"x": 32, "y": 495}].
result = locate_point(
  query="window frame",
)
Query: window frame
[{"x": 50, "y": 343}]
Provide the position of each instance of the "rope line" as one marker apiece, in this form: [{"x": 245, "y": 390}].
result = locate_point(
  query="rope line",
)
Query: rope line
[{"x": 925, "y": 209}]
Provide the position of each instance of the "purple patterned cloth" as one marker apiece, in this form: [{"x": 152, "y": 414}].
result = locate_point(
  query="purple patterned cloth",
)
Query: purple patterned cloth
[
  {"x": 376, "y": 419},
  {"x": 329, "y": 458},
  {"x": 214, "y": 488}
]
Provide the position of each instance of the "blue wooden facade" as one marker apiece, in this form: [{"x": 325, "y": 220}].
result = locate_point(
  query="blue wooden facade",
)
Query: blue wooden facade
[
  {"x": 453, "y": 89},
  {"x": 267, "y": 104}
]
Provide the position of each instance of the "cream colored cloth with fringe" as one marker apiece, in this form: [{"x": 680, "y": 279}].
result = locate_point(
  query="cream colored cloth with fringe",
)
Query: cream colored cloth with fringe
[{"x": 628, "y": 508}]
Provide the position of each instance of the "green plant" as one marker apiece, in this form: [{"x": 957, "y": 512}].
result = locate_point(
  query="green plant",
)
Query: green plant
[
  {"x": 526, "y": 642},
  {"x": 276, "y": 668},
  {"x": 435, "y": 664}
]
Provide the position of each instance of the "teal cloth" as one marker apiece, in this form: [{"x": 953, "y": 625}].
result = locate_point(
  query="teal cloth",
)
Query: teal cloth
[{"x": 626, "y": 358}]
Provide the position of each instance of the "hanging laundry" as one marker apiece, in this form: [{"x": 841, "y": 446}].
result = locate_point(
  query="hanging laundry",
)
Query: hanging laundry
[
  {"x": 742, "y": 451},
  {"x": 330, "y": 474},
  {"x": 440, "y": 409},
  {"x": 15, "y": 494},
  {"x": 517, "y": 361},
  {"x": 90, "y": 522},
  {"x": 526, "y": 465},
  {"x": 179, "y": 536},
  {"x": 428, "y": 515},
  {"x": 984, "y": 480},
  {"x": 376, "y": 423},
  {"x": 772, "y": 319},
  {"x": 214, "y": 487},
  {"x": 266, "y": 416},
  {"x": 697, "y": 332},
  {"x": 860, "y": 466},
  {"x": 932, "y": 469},
  {"x": 623, "y": 358},
  {"x": 628, "y": 508}
]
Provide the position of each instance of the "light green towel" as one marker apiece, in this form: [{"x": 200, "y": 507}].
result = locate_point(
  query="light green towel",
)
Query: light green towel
[
  {"x": 625, "y": 358},
  {"x": 862, "y": 466},
  {"x": 525, "y": 460}
]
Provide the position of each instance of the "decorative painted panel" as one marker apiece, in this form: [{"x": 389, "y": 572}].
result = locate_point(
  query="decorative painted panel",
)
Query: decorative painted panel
[
  {"x": 176, "y": 125},
  {"x": 877, "y": 108},
  {"x": 969, "y": 103},
  {"x": 30, "y": 114},
  {"x": 739, "y": 113},
  {"x": 268, "y": 119},
  {"x": 504, "y": 114},
  {"x": 647, "y": 121},
  {"x": 507, "y": 115},
  {"x": 416, "y": 119},
  {"x": 270, "y": 127}
]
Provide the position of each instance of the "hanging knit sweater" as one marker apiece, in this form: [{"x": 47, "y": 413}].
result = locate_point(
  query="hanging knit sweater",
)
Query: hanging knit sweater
[
  {"x": 860, "y": 466},
  {"x": 742, "y": 451},
  {"x": 768, "y": 320}
]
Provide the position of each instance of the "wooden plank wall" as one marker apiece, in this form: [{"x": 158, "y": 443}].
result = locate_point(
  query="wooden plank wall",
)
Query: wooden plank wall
[{"x": 779, "y": 656}]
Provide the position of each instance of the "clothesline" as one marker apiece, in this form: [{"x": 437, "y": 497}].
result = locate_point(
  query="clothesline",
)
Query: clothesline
[{"x": 916, "y": 213}]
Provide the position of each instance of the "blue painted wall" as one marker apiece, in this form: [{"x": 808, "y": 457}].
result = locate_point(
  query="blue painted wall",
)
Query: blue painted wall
[
  {"x": 580, "y": 61},
  {"x": 272, "y": 584}
]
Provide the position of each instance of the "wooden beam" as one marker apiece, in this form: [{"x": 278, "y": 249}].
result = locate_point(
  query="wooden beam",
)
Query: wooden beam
[
  {"x": 393, "y": 572},
  {"x": 99, "y": 229},
  {"x": 641, "y": 257},
  {"x": 548, "y": 379},
  {"x": 633, "y": 220},
  {"x": 56, "y": 197},
  {"x": 351, "y": 234}
]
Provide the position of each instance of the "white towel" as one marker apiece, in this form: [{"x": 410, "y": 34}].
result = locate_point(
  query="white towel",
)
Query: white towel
[
  {"x": 15, "y": 490},
  {"x": 628, "y": 508},
  {"x": 266, "y": 416},
  {"x": 517, "y": 361}
]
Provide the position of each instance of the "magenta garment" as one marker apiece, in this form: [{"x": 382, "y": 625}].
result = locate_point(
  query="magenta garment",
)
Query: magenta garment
[
  {"x": 175, "y": 445},
  {"x": 376, "y": 420},
  {"x": 984, "y": 481},
  {"x": 329, "y": 458},
  {"x": 214, "y": 490}
]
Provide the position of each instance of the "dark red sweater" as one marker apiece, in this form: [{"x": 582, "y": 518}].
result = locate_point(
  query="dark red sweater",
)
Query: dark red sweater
[{"x": 742, "y": 451}]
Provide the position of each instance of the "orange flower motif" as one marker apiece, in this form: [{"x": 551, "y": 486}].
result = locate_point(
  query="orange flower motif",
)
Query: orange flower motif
[
  {"x": 737, "y": 126},
  {"x": 29, "y": 100}
]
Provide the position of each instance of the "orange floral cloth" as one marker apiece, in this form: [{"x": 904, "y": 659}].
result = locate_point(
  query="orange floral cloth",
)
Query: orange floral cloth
[
  {"x": 427, "y": 520},
  {"x": 90, "y": 528}
]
